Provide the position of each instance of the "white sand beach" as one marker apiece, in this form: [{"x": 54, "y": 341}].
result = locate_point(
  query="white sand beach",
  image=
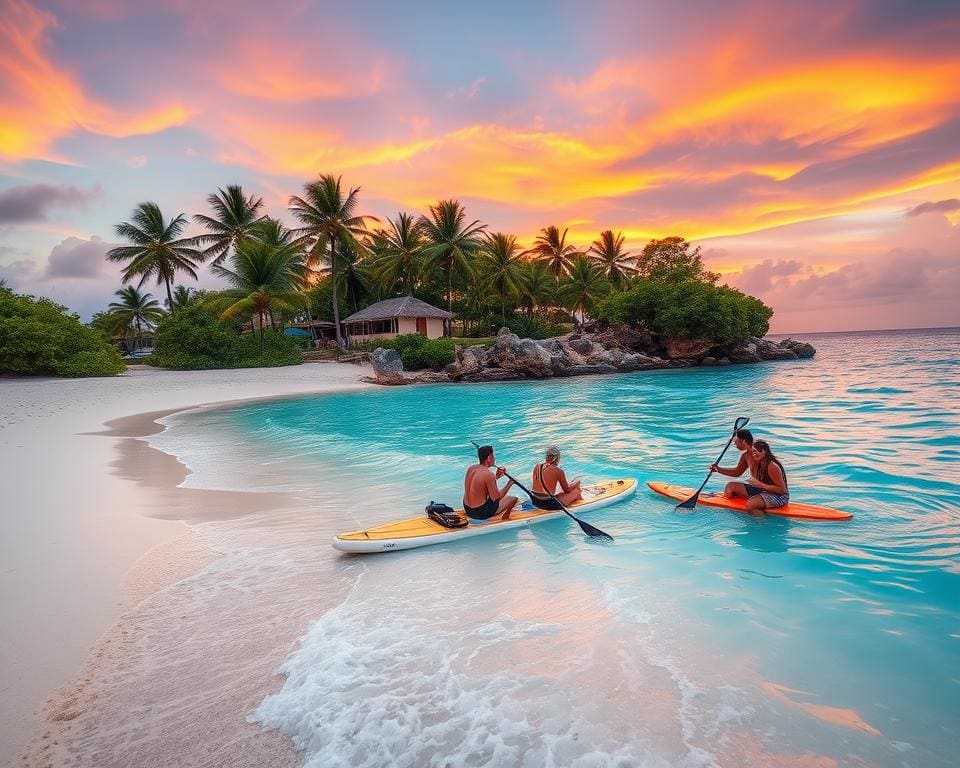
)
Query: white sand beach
[{"x": 93, "y": 526}]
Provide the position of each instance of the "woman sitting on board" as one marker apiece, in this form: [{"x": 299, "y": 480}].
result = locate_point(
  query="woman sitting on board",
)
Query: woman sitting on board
[
  {"x": 549, "y": 478},
  {"x": 767, "y": 488}
]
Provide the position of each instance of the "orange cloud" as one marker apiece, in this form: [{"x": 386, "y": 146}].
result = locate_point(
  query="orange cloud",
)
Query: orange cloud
[
  {"x": 275, "y": 71},
  {"x": 42, "y": 102}
]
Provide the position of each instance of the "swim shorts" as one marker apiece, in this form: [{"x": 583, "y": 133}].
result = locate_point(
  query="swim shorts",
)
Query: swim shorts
[
  {"x": 484, "y": 512},
  {"x": 772, "y": 500}
]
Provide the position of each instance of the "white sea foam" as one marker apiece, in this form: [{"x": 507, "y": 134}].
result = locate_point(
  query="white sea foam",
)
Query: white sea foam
[{"x": 388, "y": 679}]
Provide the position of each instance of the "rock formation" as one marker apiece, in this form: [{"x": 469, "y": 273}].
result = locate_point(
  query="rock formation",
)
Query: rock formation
[{"x": 617, "y": 349}]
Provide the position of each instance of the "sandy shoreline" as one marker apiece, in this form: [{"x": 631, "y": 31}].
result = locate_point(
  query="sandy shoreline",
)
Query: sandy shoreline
[{"x": 96, "y": 529}]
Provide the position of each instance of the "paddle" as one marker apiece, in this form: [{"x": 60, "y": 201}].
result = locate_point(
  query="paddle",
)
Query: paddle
[
  {"x": 690, "y": 503},
  {"x": 585, "y": 527}
]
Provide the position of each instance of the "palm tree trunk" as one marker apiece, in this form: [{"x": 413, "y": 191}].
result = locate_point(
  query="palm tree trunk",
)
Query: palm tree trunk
[
  {"x": 260, "y": 354},
  {"x": 450, "y": 290},
  {"x": 333, "y": 279},
  {"x": 169, "y": 293},
  {"x": 139, "y": 334}
]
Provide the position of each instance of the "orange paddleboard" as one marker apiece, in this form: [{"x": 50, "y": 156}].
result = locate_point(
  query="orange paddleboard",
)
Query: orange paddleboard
[{"x": 717, "y": 499}]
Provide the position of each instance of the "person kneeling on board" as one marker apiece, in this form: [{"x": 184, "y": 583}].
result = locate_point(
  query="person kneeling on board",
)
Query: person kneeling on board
[
  {"x": 549, "y": 478},
  {"x": 482, "y": 498}
]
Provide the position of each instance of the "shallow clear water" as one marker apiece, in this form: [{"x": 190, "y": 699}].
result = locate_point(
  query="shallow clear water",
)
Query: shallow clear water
[{"x": 703, "y": 638}]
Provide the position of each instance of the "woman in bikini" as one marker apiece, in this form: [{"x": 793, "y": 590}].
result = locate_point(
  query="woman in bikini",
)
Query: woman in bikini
[
  {"x": 767, "y": 488},
  {"x": 547, "y": 478}
]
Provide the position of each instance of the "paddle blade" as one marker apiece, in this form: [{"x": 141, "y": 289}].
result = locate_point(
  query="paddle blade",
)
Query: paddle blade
[
  {"x": 689, "y": 503},
  {"x": 591, "y": 531}
]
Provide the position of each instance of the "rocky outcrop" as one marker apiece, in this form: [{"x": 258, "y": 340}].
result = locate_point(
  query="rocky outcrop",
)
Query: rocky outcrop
[
  {"x": 687, "y": 349},
  {"x": 799, "y": 348},
  {"x": 524, "y": 357},
  {"x": 387, "y": 366},
  {"x": 618, "y": 349},
  {"x": 754, "y": 350}
]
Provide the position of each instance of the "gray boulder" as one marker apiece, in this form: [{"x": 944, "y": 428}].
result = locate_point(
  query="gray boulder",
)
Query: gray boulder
[
  {"x": 492, "y": 374},
  {"x": 467, "y": 360},
  {"x": 524, "y": 357},
  {"x": 387, "y": 366},
  {"x": 799, "y": 348},
  {"x": 771, "y": 350},
  {"x": 745, "y": 352},
  {"x": 636, "y": 361}
]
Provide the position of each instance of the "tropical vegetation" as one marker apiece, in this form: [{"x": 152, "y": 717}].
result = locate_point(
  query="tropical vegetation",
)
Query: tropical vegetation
[
  {"x": 337, "y": 259},
  {"x": 38, "y": 336},
  {"x": 134, "y": 312}
]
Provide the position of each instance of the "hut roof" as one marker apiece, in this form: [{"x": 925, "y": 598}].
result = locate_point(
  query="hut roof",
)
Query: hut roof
[{"x": 405, "y": 306}]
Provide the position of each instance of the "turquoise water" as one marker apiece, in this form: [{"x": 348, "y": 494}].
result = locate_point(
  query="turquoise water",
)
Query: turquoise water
[{"x": 702, "y": 638}]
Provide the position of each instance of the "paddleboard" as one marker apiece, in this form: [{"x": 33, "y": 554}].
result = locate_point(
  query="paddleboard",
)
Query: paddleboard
[
  {"x": 717, "y": 499},
  {"x": 422, "y": 531}
]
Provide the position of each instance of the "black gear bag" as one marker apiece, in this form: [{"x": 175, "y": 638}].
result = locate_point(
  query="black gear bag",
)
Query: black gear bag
[{"x": 445, "y": 515}]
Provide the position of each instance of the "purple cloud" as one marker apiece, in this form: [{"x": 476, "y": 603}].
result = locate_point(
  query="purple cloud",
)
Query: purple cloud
[
  {"x": 761, "y": 277},
  {"x": 941, "y": 206},
  {"x": 31, "y": 202},
  {"x": 75, "y": 257}
]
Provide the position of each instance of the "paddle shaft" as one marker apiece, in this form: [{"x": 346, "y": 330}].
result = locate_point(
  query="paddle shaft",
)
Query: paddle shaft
[{"x": 739, "y": 424}]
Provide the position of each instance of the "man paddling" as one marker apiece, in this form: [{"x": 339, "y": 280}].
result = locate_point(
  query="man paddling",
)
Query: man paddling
[
  {"x": 743, "y": 440},
  {"x": 482, "y": 498}
]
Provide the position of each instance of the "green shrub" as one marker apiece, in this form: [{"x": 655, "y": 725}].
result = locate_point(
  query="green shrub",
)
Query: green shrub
[
  {"x": 193, "y": 338},
  {"x": 688, "y": 309},
  {"x": 418, "y": 352},
  {"x": 40, "y": 336}
]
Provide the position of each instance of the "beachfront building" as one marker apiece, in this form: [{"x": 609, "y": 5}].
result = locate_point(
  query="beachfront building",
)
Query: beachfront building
[{"x": 394, "y": 317}]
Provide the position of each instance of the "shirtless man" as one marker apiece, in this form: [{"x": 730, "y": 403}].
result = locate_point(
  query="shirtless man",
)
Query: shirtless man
[
  {"x": 482, "y": 499},
  {"x": 549, "y": 478},
  {"x": 744, "y": 442}
]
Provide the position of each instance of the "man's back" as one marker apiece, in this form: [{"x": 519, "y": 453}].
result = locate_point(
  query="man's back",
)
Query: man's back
[{"x": 476, "y": 485}]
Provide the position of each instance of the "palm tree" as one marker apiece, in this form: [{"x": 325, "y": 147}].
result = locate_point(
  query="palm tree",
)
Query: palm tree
[
  {"x": 582, "y": 287},
  {"x": 450, "y": 243},
  {"x": 503, "y": 267},
  {"x": 182, "y": 296},
  {"x": 330, "y": 220},
  {"x": 265, "y": 277},
  {"x": 608, "y": 254},
  {"x": 552, "y": 249},
  {"x": 272, "y": 232},
  {"x": 134, "y": 310},
  {"x": 354, "y": 272},
  {"x": 157, "y": 250},
  {"x": 399, "y": 253},
  {"x": 537, "y": 285},
  {"x": 233, "y": 217}
]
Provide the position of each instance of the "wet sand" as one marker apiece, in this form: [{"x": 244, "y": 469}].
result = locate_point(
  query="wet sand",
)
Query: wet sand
[{"x": 95, "y": 546}]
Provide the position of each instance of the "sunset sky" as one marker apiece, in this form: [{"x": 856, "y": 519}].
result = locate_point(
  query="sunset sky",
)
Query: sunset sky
[{"x": 811, "y": 149}]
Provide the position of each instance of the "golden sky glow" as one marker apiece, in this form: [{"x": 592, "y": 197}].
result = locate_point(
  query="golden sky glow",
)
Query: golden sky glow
[{"x": 654, "y": 121}]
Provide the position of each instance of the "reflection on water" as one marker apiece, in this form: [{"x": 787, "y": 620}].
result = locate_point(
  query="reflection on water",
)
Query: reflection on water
[{"x": 534, "y": 646}]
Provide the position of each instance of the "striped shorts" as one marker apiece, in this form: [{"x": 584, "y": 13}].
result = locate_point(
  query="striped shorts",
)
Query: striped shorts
[{"x": 772, "y": 500}]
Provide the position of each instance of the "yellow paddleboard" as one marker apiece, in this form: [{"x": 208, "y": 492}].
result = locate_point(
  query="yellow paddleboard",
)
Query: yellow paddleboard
[{"x": 422, "y": 531}]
